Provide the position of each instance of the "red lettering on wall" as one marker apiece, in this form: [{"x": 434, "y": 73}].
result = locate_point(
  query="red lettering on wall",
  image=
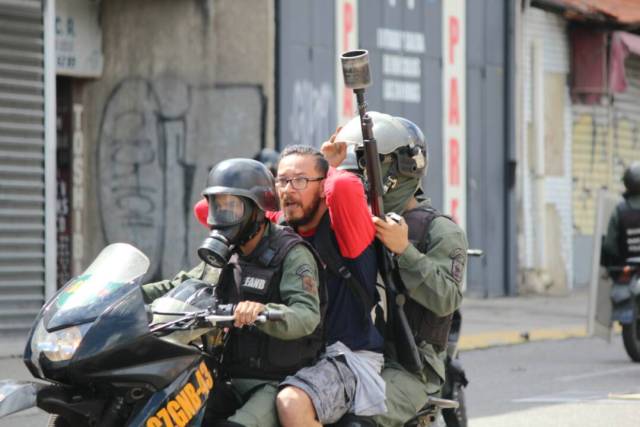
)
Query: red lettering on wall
[
  {"x": 454, "y": 102},
  {"x": 348, "y": 25},
  {"x": 347, "y": 95},
  {"x": 454, "y": 162},
  {"x": 347, "y": 102},
  {"x": 454, "y": 36},
  {"x": 454, "y": 210}
]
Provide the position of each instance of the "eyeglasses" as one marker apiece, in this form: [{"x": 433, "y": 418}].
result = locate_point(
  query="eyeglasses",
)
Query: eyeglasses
[{"x": 298, "y": 183}]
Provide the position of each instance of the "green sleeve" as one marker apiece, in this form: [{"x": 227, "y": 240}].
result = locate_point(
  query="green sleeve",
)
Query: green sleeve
[
  {"x": 433, "y": 279},
  {"x": 299, "y": 293},
  {"x": 152, "y": 291},
  {"x": 610, "y": 252}
]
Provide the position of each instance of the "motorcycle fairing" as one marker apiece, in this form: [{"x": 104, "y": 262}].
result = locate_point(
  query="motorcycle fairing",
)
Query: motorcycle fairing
[
  {"x": 181, "y": 403},
  {"x": 17, "y": 396},
  {"x": 117, "y": 270}
]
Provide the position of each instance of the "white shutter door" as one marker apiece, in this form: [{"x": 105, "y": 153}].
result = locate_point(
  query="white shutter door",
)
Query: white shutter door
[{"x": 22, "y": 211}]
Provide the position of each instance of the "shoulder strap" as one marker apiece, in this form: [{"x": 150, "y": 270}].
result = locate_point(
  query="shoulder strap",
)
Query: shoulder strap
[
  {"x": 419, "y": 219},
  {"x": 327, "y": 247}
]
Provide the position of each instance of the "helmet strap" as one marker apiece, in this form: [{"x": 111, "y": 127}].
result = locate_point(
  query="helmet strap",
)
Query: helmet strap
[{"x": 390, "y": 181}]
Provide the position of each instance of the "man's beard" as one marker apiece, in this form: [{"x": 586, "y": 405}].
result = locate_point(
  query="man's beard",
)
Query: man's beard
[{"x": 307, "y": 214}]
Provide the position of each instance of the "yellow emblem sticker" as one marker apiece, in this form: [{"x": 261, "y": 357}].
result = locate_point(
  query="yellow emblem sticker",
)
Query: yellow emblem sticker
[{"x": 185, "y": 404}]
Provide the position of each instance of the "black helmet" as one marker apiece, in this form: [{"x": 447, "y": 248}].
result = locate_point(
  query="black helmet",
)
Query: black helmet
[
  {"x": 238, "y": 192},
  {"x": 269, "y": 158},
  {"x": 394, "y": 135},
  {"x": 246, "y": 178},
  {"x": 631, "y": 179}
]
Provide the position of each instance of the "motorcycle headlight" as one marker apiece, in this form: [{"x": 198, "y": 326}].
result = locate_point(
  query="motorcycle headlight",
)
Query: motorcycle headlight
[{"x": 59, "y": 345}]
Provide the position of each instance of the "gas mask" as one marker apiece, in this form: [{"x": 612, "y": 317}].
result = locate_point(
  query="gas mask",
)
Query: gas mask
[
  {"x": 233, "y": 223},
  {"x": 400, "y": 172}
]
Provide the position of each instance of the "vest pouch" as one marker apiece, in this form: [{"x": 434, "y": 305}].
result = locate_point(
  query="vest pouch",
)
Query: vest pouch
[
  {"x": 291, "y": 355},
  {"x": 243, "y": 351},
  {"x": 255, "y": 283},
  {"x": 427, "y": 326},
  {"x": 246, "y": 350}
]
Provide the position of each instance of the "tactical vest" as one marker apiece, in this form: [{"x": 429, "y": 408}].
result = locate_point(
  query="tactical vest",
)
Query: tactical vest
[
  {"x": 628, "y": 231},
  {"x": 250, "y": 353},
  {"x": 424, "y": 323}
]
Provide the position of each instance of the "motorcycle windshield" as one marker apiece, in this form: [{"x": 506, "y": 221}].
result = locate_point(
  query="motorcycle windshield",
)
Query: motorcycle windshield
[{"x": 117, "y": 269}]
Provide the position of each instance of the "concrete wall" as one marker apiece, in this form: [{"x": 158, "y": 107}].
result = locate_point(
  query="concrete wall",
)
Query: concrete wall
[
  {"x": 186, "y": 83},
  {"x": 546, "y": 228}
]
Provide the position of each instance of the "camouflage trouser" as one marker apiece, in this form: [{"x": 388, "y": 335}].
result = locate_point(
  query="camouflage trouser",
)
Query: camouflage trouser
[
  {"x": 250, "y": 403},
  {"x": 406, "y": 393}
]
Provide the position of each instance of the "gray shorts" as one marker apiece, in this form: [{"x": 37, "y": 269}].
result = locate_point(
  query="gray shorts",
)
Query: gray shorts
[{"x": 330, "y": 384}]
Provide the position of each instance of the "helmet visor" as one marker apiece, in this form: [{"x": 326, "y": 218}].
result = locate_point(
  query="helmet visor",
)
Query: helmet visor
[{"x": 225, "y": 209}]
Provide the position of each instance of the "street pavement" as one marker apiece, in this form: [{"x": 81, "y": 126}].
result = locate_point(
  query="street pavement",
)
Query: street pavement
[{"x": 513, "y": 320}]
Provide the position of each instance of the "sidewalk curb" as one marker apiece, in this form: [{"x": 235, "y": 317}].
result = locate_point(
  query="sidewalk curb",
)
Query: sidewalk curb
[{"x": 504, "y": 338}]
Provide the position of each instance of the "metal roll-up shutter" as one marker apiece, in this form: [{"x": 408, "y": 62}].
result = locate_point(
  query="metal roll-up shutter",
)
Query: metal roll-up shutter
[
  {"x": 22, "y": 179},
  {"x": 606, "y": 138}
]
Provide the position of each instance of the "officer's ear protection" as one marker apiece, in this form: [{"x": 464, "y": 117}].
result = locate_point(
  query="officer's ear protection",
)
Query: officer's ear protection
[{"x": 410, "y": 161}]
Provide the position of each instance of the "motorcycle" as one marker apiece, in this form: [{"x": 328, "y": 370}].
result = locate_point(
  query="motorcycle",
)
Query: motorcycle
[
  {"x": 625, "y": 299},
  {"x": 107, "y": 360}
]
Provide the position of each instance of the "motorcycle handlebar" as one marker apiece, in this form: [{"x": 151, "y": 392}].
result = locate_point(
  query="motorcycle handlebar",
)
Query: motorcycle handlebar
[
  {"x": 267, "y": 316},
  {"x": 273, "y": 315},
  {"x": 222, "y": 315}
]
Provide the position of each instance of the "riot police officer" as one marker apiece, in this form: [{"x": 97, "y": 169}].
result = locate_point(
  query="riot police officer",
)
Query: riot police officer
[
  {"x": 258, "y": 266},
  {"x": 429, "y": 249},
  {"x": 622, "y": 240}
]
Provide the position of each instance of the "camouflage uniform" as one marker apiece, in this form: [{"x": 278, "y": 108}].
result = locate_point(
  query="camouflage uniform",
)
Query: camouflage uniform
[
  {"x": 301, "y": 308},
  {"x": 434, "y": 280}
]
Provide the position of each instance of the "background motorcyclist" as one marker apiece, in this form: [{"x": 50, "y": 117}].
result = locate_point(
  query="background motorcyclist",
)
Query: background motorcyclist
[
  {"x": 258, "y": 266},
  {"x": 622, "y": 240},
  {"x": 430, "y": 252}
]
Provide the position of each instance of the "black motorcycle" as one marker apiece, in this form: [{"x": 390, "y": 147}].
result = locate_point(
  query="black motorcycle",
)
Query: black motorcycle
[
  {"x": 107, "y": 360},
  {"x": 110, "y": 361},
  {"x": 625, "y": 299}
]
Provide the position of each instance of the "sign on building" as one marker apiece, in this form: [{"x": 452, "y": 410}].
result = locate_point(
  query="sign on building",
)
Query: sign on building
[
  {"x": 78, "y": 38},
  {"x": 453, "y": 86},
  {"x": 346, "y": 40}
]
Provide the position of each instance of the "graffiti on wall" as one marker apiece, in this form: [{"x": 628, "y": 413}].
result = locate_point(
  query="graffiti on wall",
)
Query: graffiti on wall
[
  {"x": 602, "y": 148},
  {"x": 157, "y": 143},
  {"x": 310, "y": 113}
]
